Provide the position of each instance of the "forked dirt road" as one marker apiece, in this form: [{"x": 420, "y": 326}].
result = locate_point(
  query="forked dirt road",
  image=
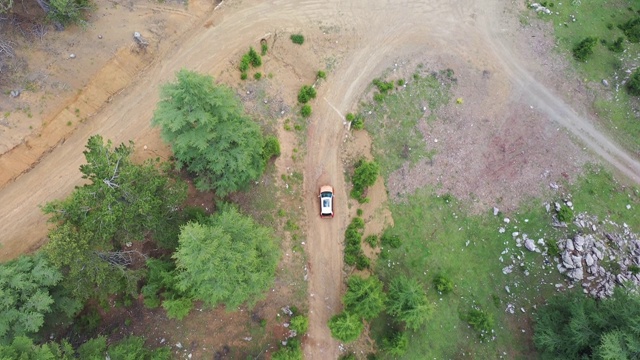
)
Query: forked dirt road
[{"x": 376, "y": 33}]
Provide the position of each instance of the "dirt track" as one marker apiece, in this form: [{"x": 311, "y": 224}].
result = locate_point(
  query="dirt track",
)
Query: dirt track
[{"x": 375, "y": 33}]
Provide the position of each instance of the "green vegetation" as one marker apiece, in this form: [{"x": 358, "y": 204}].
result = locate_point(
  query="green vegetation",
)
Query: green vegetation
[
  {"x": 396, "y": 343},
  {"x": 408, "y": 302},
  {"x": 619, "y": 22},
  {"x": 305, "y": 111},
  {"x": 372, "y": 240},
  {"x": 584, "y": 49},
  {"x": 271, "y": 148},
  {"x": 129, "y": 348},
  {"x": 122, "y": 202},
  {"x": 292, "y": 351},
  {"x": 572, "y": 326},
  {"x": 254, "y": 58},
  {"x": 68, "y": 11},
  {"x": 443, "y": 284},
  {"x": 209, "y": 133},
  {"x": 364, "y": 175},
  {"x": 29, "y": 292},
  {"x": 346, "y": 327},
  {"x": 264, "y": 48},
  {"x": 357, "y": 121},
  {"x": 234, "y": 245},
  {"x": 297, "y": 39},
  {"x": 393, "y": 123},
  {"x": 257, "y": 76},
  {"x": 321, "y": 75},
  {"x": 353, "y": 254},
  {"x": 480, "y": 321},
  {"x": 633, "y": 86},
  {"x": 565, "y": 214},
  {"x": 364, "y": 297},
  {"x": 306, "y": 93},
  {"x": 299, "y": 324}
]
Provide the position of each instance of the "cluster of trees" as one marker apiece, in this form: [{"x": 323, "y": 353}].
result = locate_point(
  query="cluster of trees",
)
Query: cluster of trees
[
  {"x": 364, "y": 175},
  {"x": 405, "y": 301},
  {"x": 226, "y": 258},
  {"x": 61, "y": 12},
  {"x": 574, "y": 326}
]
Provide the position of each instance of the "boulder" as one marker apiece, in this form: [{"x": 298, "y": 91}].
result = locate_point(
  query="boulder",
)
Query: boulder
[
  {"x": 589, "y": 260},
  {"x": 576, "y": 274},
  {"x": 530, "y": 245},
  {"x": 569, "y": 245}
]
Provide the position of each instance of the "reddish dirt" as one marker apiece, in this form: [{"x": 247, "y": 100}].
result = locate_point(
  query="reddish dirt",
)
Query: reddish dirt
[{"x": 356, "y": 41}]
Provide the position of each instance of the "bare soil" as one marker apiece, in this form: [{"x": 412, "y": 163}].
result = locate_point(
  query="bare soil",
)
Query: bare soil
[{"x": 515, "y": 123}]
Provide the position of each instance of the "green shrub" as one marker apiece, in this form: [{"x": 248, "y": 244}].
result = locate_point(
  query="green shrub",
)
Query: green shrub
[
  {"x": 396, "y": 344},
  {"x": 383, "y": 86},
  {"x": 350, "y": 117},
  {"x": 553, "y": 249},
  {"x": 346, "y": 327},
  {"x": 392, "y": 241},
  {"x": 565, "y": 214},
  {"x": 634, "y": 269},
  {"x": 401, "y": 82},
  {"x": 297, "y": 39},
  {"x": 480, "y": 321},
  {"x": 358, "y": 122},
  {"x": 321, "y": 75},
  {"x": 631, "y": 30},
  {"x": 244, "y": 63},
  {"x": 633, "y": 85},
  {"x": 254, "y": 58},
  {"x": 299, "y": 324},
  {"x": 443, "y": 284},
  {"x": 359, "y": 212},
  {"x": 364, "y": 175},
  {"x": 584, "y": 48},
  {"x": 305, "y": 111},
  {"x": 257, "y": 76},
  {"x": 372, "y": 240},
  {"x": 271, "y": 148},
  {"x": 243, "y": 75},
  {"x": 306, "y": 93},
  {"x": 617, "y": 46},
  {"x": 263, "y": 48},
  {"x": 293, "y": 351},
  {"x": 67, "y": 11},
  {"x": 178, "y": 308},
  {"x": 378, "y": 97},
  {"x": 362, "y": 261}
]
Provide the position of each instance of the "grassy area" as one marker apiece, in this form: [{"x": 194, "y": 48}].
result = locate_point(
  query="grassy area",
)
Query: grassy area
[
  {"x": 393, "y": 122},
  {"x": 600, "y": 19},
  {"x": 467, "y": 249}
]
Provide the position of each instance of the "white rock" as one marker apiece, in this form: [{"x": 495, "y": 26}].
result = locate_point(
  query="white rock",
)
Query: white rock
[
  {"x": 569, "y": 245},
  {"x": 501, "y": 230},
  {"x": 589, "y": 260},
  {"x": 507, "y": 220},
  {"x": 530, "y": 245},
  {"x": 496, "y": 211},
  {"x": 179, "y": 345}
]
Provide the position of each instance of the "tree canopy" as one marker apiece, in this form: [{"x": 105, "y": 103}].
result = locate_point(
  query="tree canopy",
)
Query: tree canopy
[
  {"x": 346, "y": 327},
  {"x": 209, "y": 133},
  {"x": 230, "y": 259},
  {"x": 28, "y": 289},
  {"x": 23, "y": 348},
  {"x": 130, "y": 348},
  {"x": 574, "y": 326},
  {"x": 122, "y": 202},
  {"x": 364, "y": 297},
  {"x": 408, "y": 302}
]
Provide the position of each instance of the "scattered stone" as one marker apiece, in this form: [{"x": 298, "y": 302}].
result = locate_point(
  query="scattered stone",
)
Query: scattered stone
[
  {"x": 507, "y": 270},
  {"x": 72, "y": 56},
  {"x": 507, "y": 220},
  {"x": 605, "y": 82},
  {"x": 510, "y": 308},
  {"x": 15, "y": 93},
  {"x": 496, "y": 211},
  {"x": 506, "y": 288},
  {"x": 501, "y": 230},
  {"x": 179, "y": 345},
  {"x": 99, "y": 36}
]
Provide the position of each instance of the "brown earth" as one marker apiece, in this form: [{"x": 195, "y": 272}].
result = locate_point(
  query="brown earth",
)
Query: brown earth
[{"x": 512, "y": 111}]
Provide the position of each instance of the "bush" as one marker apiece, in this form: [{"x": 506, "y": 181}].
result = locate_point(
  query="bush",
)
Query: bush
[
  {"x": 271, "y": 148},
  {"x": 293, "y": 351},
  {"x": 617, "y": 46},
  {"x": 297, "y": 39},
  {"x": 443, "y": 284},
  {"x": 565, "y": 214},
  {"x": 378, "y": 97},
  {"x": 362, "y": 261},
  {"x": 299, "y": 324},
  {"x": 263, "y": 48},
  {"x": 584, "y": 48},
  {"x": 346, "y": 327},
  {"x": 357, "y": 123},
  {"x": 408, "y": 302},
  {"x": 359, "y": 212},
  {"x": 401, "y": 82},
  {"x": 372, "y": 240},
  {"x": 243, "y": 75},
  {"x": 305, "y": 111},
  {"x": 177, "y": 309},
  {"x": 392, "y": 241},
  {"x": 383, "y": 86},
  {"x": 257, "y": 76},
  {"x": 244, "y": 63},
  {"x": 480, "y": 321},
  {"x": 254, "y": 58},
  {"x": 306, "y": 93},
  {"x": 67, "y": 11},
  {"x": 364, "y": 297},
  {"x": 633, "y": 85},
  {"x": 631, "y": 30},
  {"x": 321, "y": 75},
  {"x": 396, "y": 344},
  {"x": 364, "y": 175}
]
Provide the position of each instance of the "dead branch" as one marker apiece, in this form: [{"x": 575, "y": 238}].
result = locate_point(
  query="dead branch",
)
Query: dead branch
[{"x": 6, "y": 48}]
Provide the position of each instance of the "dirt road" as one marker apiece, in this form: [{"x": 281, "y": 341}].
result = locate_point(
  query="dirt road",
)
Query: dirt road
[{"x": 372, "y": 35}]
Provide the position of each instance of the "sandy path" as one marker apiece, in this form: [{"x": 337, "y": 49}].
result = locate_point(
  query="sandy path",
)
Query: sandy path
[{"x": 381, "y": 32}]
